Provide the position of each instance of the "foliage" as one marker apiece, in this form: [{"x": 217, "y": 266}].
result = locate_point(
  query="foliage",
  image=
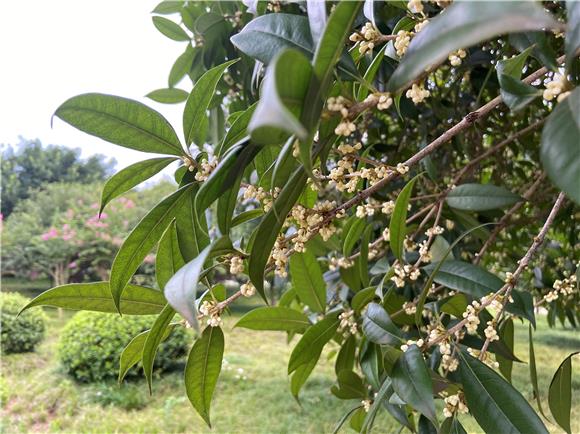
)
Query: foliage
[
  {"x": 91, "y": 343},
  {"x": 29, "y": 166},
  {"x": 20, "y": 334},
  {"x": 58, "y": 232},
  {"x": 408, "y": 203}
]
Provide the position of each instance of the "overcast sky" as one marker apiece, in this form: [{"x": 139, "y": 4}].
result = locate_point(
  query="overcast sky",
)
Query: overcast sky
[{"x": 55, "y": 49}]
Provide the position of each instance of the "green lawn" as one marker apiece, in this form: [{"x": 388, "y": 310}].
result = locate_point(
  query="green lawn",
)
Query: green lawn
[{"x": 252, "y": 394}]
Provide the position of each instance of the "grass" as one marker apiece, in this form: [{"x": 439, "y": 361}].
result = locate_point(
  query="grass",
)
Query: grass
[{"x": 252, "y": 395}]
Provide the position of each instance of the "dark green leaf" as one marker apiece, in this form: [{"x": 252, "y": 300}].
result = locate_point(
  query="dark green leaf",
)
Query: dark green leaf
[
  {"x": 168, "y": 7},
  {"x": 506, "y": 334},
  {"x": 465, "y": 277},
  {"x": 168, "y": 96},
  {"x": 452, "y": 426},
  {"x": 170, "y": 29},
  {"x": 142, "y": 239},
  {"x": 238, "y": 131},
  {"x": 131, "y": 176},
  {"x": 203, "y": 369},
  {"x": 353, "y": 234},
  {"x": 312, "y": 342},
  {"x": 182, "y": 66},
  {"x": 362, "y": 298},
  {"x": 495, "y": 404},
  {"x": 560, "y": 152},
  {"x": 534, "y": 372},
  {"x": 121, "y": 121},
  {"x": 480, "y": 197},
  {"x": 168, "y": 259},
  {"x": 274, "y": 318},
  {"x": 398, "y": 225},
  {"x": 195, "y": 120},
  {"x": 307, "y": 280},
  {"x": 246, "y": 216},
  {"x": 346, "y": 356},
  {"x": 350, "y": 386},
  {"x": 181, "y": 290},
  {"x": 462, "y": 25},
  {"x": 412, "y": 382},
  {"x": 301, "y": 374},
  {"x": 560, "y": 394},
  {"x": 132, "y": 354},
  {"x": 378, "y": 327},
  {"x": 192, "y": 231},
  {"x": 154, "y": 338},
  {"x": 572, "y": 31},
  {"x": 96, "y": 296},
  {"x": 515, "y": 93}
]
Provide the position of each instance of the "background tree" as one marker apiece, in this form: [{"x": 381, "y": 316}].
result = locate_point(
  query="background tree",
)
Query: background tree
[{"x": 29, "y": 166}]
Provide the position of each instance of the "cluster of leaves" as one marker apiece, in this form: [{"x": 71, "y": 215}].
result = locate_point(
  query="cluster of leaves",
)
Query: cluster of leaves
[
  {"x": 307, "y": 130},
  {"x": 22, "y": 333},
  {"x": 58, "y": 232}
]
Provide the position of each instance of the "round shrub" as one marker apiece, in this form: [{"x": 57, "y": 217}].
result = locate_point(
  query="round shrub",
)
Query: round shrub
[
  {"x": 20, "y": 334},
  {"x": 91, "y": 343}
]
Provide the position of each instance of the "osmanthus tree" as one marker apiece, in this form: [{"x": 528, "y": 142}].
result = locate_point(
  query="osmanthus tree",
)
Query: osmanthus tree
[{"x": 412, "y": 170}]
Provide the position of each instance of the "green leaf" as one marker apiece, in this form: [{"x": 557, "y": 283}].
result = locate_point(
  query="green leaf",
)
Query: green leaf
[
  {"x": 370, "y": 73},
  {"x": 274, "y": 318},
  {"x": 346, "y": 356},
  {"x": 181, "y": 290},
  {"x": 168, "y": 7},
  {"x": 462, "y": 25},
  {"x": 168, "y": 259},
  {"x": 203, "y": 369},
  {"x": 238, "y": 131},
  {"x": 131, "y": 176},
  {"x": 301, "y": 374},
  {"x": 192, "y": 231},
  {"x": 353, "y": 232},
  {"x": 480, "y": 197},
  {"x": 131, "y": 354},
  {"x": 533, "y": 371},
  {"x": 170, "y": 29},
  {"x": 312, "y": 342},
  {"x": 350, "y": 386},
  {"x": 560, "y": 394},
  {"x": 267, "y": 231},
  {"x": 572, "y": 32},
  {"x": 282, "y": 97},
  {"x": 494, "y": 403},
  {"x": 465, "y": 277},
  {"x": 246, "y": 216},
  {"x": 121, "y": 121},
  {"x": 540, "y": 44},
  {"x": 378, "y": 327},
  {"x": 506, "y": 334},
  {"x": 560, "y": 151},
  {"x": 307, "y": 280},
  {"x": 182, "y": 66},
  {"x": 515, "y": 93},
  {"x": 398, "y": 225},
  {"x": 154, "y": 338},
  {"x": 96, "y": 296},
  {"x": 142, "y": 239},
  {"x": 362, "y": 298},
  {"x": 452, "y": 426},
  {"x": 195, "y": 120},
  {"x": 168, "y": 96}
]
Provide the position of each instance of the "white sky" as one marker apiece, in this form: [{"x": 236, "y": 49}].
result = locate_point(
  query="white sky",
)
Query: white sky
[{"x": 52, "y": 50}]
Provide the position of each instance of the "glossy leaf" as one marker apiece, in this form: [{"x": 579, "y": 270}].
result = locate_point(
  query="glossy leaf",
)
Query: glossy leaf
[
  {"x": 154, "y": 338},
  {"x": 203, "y": 369},
  {"x": 131, "y": 176},
  {"x": 168, "y": 96},
  {"x": 560, "y": 394},
  {"x": 168, "y": 259},
  {"x": 350, "y": 386},
  {"x": 378, "y": 327},
  {"x": 515, "y": 93},
  {"x": 96, "y": 296},
  {"x": 301, "y": 374},
  {"x": 195, "y": 120},
  {"x": 307, "y": 280},
  {"x": 142, "y": 239},
  {"x": 534, "y": 371},
  {"x": 494, "y": 403},
  {"x": 131, "y": 354},
  {"x": 181, "y": 290},
  {"x": 238, "y": 131},
  {"x": 398, "y": 225},
  {"x": 462, "y": 25},
  {"x": 465, "y": 277},
  {"x": 312, "y": 342},
  {"x": 182, "y": 66},
  {"x": 412, "y": 382},
  {"x": 451, "y": 425},
  {"x": 121, "y": 121},
  {"x": 560, "y": 151},
  {"x": 170, "y": 29},
  {"x": 480, "y": 197},
  {"x": 274, "y": 318},
  {"x": 572, "y": 31}
]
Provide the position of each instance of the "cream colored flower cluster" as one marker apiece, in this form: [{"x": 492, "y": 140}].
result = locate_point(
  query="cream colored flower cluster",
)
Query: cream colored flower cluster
[
  {"x": 263, "y": 196},
  {"x": 347, "y": 324},
  {"x": 555, "y": 88},
  {"x": 456, "y": 57},
  {"x": 205, "y": 169},
  {"x": 491, "y": 332},
  {"x": 417, "y": 93},
  {"x": 280, "y": 256},
  {"x": 415, "y": 6},
  {"x": 247, "y": 289},
  {"x": 189, "y": 163},
  {"x": 336, "y": 263},
  {"x": 471, "y": 315},
  {"x": 236, "y": 265},
  {"x": 486, "y": 358},
  {"x": 564, "y": 287},
  {"x": 455, "y": 404},
  {"x": 410, "y": 342},
  {"x": 402, "y": 272},
  {"x": 402, "y": 42},
  {"x": 367, "y": 37},
  {"x": 340, "y": 104},
  {"x": 448, "y": 362},
  {"x": 382, "y": 101},
  {"x": 210, "y": 310}
]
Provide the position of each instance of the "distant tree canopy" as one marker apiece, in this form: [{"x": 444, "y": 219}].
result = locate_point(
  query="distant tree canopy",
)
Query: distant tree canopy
[{"x": 29, "y": 166}]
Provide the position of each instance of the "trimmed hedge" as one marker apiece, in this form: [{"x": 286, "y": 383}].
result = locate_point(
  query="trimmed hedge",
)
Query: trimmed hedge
[
  {"x": 92, "y": 342},
  {"x": 20, "y": 334}
]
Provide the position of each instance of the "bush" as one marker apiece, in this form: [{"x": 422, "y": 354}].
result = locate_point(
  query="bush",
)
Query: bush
[
  {"x": 91, "y": 343},
  {"x": 20, "y": 334}
]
